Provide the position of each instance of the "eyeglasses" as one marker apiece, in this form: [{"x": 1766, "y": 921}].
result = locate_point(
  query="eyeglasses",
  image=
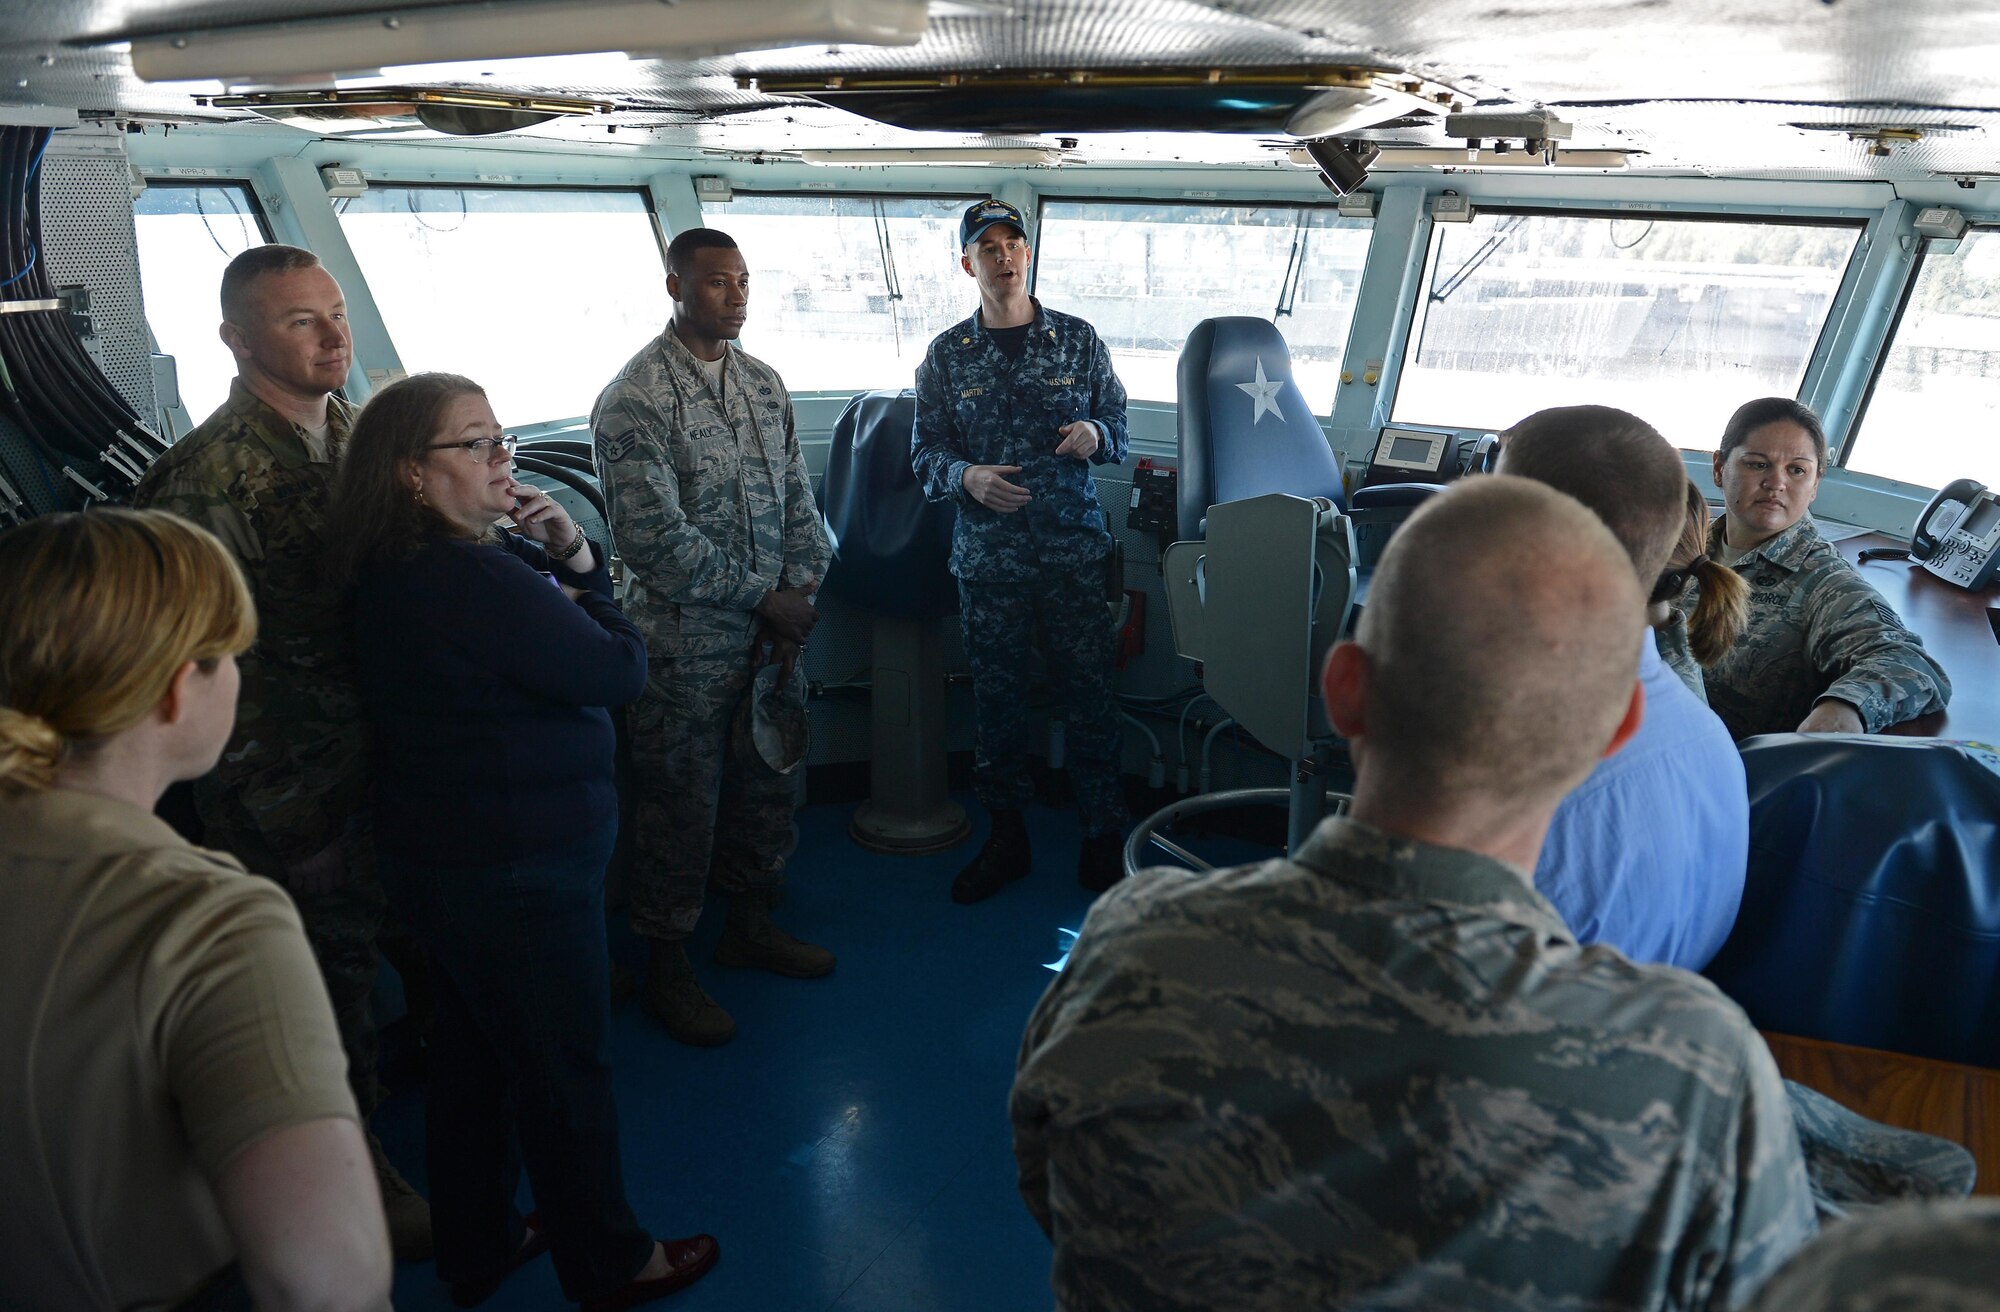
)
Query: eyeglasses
[{"x": 482, "y": 449}]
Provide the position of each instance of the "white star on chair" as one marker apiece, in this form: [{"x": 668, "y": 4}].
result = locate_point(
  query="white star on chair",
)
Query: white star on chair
[{"x": 1264, "y": 393}]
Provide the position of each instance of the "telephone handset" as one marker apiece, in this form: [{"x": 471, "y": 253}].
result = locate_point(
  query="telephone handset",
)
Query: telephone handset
[{"x": 1958, "y": 536}]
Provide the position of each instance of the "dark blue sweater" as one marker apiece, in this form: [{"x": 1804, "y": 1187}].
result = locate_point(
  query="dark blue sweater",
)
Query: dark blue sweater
[{"x": 487, "y": 686}]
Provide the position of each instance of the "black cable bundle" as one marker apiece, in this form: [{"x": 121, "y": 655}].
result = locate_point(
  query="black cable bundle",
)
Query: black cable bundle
[{"x": 49, "y": 385}]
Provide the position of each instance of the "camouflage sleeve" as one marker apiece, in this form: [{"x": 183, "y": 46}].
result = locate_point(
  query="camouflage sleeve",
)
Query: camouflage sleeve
[
  {"x": 937, "y": 452},
  {"x": 1671, "y": 641},
  {"x": 1029, "y": 1110},
  {"x": 187, "y": 489},
  {"x": 1769, "y": 1215},
  {"x": 1879, "y": 666},
  {"x": 642, "y": 500},
  {"x": 806, "y": 549},
  {"x": 1107, "y": 405}
]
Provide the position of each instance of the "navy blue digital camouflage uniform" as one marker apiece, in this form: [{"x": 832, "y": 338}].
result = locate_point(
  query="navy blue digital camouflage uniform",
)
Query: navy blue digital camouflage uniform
[{"x": 1039, "y": 567}]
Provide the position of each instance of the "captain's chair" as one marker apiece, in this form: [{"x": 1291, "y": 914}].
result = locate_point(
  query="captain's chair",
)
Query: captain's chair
[
  {"x": 1265, "y": 582},
  {"x": 1244, "y": 427}
]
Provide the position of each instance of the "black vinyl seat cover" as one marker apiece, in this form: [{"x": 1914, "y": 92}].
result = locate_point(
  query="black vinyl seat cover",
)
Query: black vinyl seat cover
[
  {"x": 1871, "y": 915},
  {"x": 891, "y": 548},
  {"x": 1235, "y": 443}
]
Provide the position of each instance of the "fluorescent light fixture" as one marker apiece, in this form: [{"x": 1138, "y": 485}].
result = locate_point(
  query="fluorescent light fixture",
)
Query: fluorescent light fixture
[
  {"x": 513, "y": 29},
  {"x": 1459, "y": 157},
  {"x": 1017, "y": 156}
]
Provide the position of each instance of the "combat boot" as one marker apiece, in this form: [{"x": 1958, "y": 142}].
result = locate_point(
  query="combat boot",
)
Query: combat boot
[
  {"x": 409, "y": 1216},
  {"x": 1004, "y": 859},
  {"x": 674, "y": 998},
  {"x": 750, "y": 939},
  {"x": 1101, "y": 863}
]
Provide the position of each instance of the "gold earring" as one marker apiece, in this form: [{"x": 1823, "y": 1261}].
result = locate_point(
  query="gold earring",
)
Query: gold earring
[{"x": 418, "y": 494}]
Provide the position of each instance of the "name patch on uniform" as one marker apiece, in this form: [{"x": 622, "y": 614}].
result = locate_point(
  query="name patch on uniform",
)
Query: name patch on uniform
[
  {"x": 1062, "y": 382},
  {"x": 973, "y": 391}
]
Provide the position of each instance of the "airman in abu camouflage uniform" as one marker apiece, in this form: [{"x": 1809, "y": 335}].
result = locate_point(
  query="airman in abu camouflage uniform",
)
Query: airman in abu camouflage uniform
[
  {"x": 1021, "y": 391},
  {"x": 1822, "y": 653},
  {"x": 1924, "y": 1257},
  {"x": 712, "y": 511},
  {"x": 1817, "y": 631},
  {"x": 1383, "y": 1074},
  {"x": 289, "y": 797}
]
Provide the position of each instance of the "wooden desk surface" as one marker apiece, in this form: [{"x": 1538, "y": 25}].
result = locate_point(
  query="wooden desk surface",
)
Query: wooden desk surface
[{"x": 1955, "y": 625}]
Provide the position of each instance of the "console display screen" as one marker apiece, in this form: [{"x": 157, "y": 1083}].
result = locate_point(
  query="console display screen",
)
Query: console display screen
[
  {"x": 1985, "y": 514},
  {"x": 1410, "y": 448}
]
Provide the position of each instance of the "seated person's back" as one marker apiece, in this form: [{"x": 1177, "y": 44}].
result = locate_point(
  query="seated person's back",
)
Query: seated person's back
[
  {"x": 174, "y": 1108},
  {"x": 1384, "y": 1074},
  {"x": 1648, "y": 854}
]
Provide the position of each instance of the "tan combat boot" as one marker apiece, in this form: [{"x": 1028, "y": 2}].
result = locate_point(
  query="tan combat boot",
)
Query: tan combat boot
[
  {"x": 750, "y": 939},
  {"x": 674, "y": 998},
  {"x": 408, "y": 1214}
]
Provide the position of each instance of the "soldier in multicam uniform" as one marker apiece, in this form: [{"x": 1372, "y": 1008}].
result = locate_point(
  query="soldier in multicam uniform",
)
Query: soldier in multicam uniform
[
  {"x": 1383, "y": 1074},
  {"x": 1925, "y": 1257},
  {"x": 289, "y": 796},
  {"x": 1019, "y": 391},
  {"x": 1822, "y": 653},
  {"x": 712, "y": 511}
]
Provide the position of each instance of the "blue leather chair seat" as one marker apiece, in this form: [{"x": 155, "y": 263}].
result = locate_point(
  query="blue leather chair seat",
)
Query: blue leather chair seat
[
  {"x": 1871, "y": 915},
  {"x": 891, "y": 548}
]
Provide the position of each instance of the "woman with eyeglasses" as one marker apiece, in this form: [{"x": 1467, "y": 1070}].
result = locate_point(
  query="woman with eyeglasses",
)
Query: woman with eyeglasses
[{"x": 487, "y": 657}]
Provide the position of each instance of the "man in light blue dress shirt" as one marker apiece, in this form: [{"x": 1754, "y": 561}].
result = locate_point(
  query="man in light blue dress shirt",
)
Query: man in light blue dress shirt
[{"x": 1648, "y": 853}]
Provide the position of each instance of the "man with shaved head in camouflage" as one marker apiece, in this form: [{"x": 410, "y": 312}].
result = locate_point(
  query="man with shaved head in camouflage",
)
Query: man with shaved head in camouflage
[{"x": 1383, "y": 1074}]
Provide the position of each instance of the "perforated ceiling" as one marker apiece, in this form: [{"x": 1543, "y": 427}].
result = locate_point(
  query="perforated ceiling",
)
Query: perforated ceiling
[{"x": 1711, "y": 86}]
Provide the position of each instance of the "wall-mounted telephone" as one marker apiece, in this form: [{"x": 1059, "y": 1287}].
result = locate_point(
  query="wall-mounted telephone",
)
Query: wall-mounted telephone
[{"x": 1958, "y": 535}]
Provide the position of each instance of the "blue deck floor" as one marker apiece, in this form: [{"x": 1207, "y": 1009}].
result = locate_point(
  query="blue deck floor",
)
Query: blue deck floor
[{"x": 850, "y": 1148}]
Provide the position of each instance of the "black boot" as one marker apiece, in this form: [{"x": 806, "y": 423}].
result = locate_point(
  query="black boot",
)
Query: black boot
[
  {"x": 1003, "y": 860},
  {"x": 1101, "y": 863}
]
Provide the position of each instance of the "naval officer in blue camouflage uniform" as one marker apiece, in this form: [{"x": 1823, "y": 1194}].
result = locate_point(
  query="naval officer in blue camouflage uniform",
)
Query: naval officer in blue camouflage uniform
[
  {"x": 1384, "y": 1074},
  {"x": 1013, "y": 407}
]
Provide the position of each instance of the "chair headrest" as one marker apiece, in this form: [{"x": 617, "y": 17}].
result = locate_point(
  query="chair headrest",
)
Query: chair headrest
[{"x": 1245, "y": 428}]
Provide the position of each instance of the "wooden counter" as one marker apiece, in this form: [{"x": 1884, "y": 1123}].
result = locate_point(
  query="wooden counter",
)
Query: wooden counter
[{"x": 1958, "y": 628}]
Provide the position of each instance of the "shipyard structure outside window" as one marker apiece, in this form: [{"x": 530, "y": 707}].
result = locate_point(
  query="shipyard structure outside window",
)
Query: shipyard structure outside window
[
  {"x": 846, "y": 291},
  {"x": 1144, "y": 273},
  {"x": 1678, "y": 320},
  {"x": 537, "y": 294}
]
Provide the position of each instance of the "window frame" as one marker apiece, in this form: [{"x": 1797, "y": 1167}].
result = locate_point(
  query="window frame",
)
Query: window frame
[
  {"x": 1815, "y": 359},
  {"x": 1887, "y": 340}
]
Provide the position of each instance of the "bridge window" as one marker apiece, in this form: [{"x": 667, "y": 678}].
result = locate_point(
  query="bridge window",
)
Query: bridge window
[
  {"x": 1145, "y": 273},
  {"x": 187, "y": 235},
  {"x": 847, "y": 291},
  {"x": 1677, "y": 320},
  {"x": 538, "y": 295},
  {"x": 1936, "y": 400}
]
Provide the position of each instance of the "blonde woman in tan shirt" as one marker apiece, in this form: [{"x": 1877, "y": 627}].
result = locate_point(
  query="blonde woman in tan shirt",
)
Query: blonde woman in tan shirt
[{"x": 174, "y": 1114}]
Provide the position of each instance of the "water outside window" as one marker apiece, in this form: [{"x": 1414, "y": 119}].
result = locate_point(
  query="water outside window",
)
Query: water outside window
[
  {"x": 1146, "y": 273},
  {"x": 538, "y": 295},
  {"x": 1935, "y": 410},
  {"x": 1678, "y": 321},
  {"x": 846, "y": 292},
  {"x": 187, "y": 236}
]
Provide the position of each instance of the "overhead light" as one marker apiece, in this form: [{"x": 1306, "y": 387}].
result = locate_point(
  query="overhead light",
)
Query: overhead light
[
  {"x": 509, "y": 29},
  {"x": 1457, "y": 157},
  {"x": 1342, "y": 165},
  {"x": 1017, "y": 156},
  {"x": 407, "y": 111}
]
